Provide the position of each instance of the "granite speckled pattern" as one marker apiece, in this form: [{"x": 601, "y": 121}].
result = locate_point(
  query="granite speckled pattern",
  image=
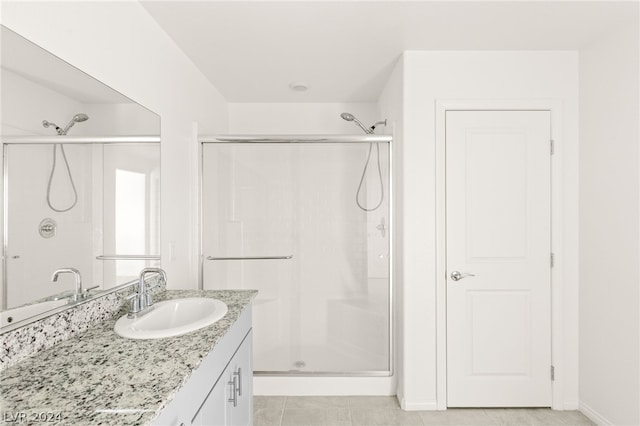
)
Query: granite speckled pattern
[
  {"x": 101, "y": 378},
  {"x": 45, "y": 333}
]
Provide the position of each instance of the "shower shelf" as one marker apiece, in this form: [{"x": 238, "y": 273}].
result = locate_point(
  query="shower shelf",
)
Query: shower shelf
[{"x": 251, "y": 258}]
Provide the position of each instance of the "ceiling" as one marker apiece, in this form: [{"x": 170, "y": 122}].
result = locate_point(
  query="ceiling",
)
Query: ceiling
[{"x": 345, "y": 50}]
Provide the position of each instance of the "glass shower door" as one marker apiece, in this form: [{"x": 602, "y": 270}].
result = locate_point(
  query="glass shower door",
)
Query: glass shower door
[{"x": 283, "y": 219}]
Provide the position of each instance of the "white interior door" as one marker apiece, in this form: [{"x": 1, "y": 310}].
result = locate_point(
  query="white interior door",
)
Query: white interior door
[{"x": 498, "y": 258}]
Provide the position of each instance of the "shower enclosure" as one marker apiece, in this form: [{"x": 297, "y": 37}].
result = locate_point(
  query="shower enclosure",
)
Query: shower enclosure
[{"x": 279, "y": 214}]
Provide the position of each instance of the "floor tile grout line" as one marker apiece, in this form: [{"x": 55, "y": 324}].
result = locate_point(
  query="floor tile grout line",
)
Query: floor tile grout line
[{"x": 284, "y": 405}]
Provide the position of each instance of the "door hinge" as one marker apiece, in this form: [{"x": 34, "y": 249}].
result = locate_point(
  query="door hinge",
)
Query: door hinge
[
  {"x": 553, "y": 260},
  {"x": 553, "y": 373},
  {"x": 552, "y": 147}
]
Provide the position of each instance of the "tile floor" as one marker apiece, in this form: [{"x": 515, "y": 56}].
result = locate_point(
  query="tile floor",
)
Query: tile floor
[{"x": 384, "y": 410}]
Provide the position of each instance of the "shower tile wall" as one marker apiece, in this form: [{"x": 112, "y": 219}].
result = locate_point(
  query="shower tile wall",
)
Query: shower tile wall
[
  {"x": 103, "y": 221},
  {"x": 327, "y": 308},
  {"x": 28, "y": 171}
]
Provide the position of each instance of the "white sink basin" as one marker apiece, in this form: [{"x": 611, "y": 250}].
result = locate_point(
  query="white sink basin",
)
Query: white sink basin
[{"x": 172, "y": 318}]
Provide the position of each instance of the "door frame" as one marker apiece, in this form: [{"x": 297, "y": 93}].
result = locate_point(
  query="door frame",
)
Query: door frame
[{"x": 554, "y": 107}]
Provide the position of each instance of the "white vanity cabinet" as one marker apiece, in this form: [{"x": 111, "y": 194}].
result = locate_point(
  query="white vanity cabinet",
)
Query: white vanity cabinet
[
  {"x": 220, "y": 391},
  {"x": 230, "y": 400}
]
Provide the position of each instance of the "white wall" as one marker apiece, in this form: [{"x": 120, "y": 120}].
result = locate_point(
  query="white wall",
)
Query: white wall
[
  {"x": 609, "y": 212},
  {"x": 474, "y": 75},
  {"x": 115, "y": 119},
  {"x": 25, "y": 104},
  {"x": 143, "y": 63},
  {"x": 299, "y": 118}
]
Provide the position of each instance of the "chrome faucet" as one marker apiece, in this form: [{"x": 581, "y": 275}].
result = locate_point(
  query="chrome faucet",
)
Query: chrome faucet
[
  {"x": 79, "y": 294},
  {"x": 141, "y": 301}
]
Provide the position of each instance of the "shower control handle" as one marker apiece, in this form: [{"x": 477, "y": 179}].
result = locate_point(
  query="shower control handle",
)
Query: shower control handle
[
  {"x": 47, "y": 228},
  {"x": 457, "y": 276}
]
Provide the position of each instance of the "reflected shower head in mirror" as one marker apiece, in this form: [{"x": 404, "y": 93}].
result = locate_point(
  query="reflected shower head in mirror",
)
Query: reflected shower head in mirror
[
  {"x": 78, "y": 118},
  {"x": 47, "y": 124}
]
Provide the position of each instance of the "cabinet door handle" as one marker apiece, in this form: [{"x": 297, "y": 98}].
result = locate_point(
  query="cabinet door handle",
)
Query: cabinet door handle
[
  {"x": 238, "y": 374},
  {"x": 234, "y": 397}
]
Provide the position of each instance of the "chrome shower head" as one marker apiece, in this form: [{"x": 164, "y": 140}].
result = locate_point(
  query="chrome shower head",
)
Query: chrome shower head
[
  {"x": 350, "y": 117},
  {"x": 78, "y": 118}
]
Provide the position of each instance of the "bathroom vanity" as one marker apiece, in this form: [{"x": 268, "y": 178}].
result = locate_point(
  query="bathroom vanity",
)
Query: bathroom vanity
[
  {"x": 200, "y": 378},
  {"x": 220, "y": 391}
]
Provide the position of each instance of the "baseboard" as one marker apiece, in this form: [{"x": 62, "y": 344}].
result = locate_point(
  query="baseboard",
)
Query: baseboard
[
  {"x": 571, "y": 405},
  {"x": 593, "y": 415},
  {"x": 418, "y": 405},
  {"x": 314, "y": 386}
]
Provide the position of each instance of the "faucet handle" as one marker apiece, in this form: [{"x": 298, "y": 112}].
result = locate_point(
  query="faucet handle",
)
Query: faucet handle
[
  {"x": 152, "y": 287},
  {"x": 147, "y": 295},
  {"x": 135, "y": 303},
  {"x": 132, "y": 296}
]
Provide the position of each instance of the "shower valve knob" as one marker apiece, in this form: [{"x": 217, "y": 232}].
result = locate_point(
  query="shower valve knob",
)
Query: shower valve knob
[{"x": 47, "y": 228}]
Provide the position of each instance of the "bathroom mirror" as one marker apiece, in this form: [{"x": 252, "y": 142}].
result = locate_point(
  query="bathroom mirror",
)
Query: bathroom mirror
[{"x": 81, "y": 183}]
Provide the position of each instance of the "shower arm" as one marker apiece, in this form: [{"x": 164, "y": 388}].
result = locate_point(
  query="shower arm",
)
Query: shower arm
[
  {"x": 374, "y": 125},
  {"x": 59, "y": 130}
]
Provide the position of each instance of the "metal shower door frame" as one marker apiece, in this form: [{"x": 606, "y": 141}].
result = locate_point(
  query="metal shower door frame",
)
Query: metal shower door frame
[{"x": 310, "y": 139}]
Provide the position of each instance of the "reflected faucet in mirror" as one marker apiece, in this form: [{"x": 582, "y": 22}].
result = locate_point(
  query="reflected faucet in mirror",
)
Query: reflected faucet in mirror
[{"x": 79, "y": 294}]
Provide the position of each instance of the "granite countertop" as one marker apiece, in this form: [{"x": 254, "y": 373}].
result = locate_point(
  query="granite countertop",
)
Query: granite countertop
[{"x": 101, "y": 378}]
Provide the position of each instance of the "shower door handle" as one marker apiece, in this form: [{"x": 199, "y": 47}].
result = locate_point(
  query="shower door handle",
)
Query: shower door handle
[{"x": 251, "y": 258}]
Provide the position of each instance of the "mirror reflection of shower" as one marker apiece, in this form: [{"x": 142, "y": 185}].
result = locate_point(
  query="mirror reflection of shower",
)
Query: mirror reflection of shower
[
  {"x": 78, "y": 118},
  {"x": 370, "y": 131}
]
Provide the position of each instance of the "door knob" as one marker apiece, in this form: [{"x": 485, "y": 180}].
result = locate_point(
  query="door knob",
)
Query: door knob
[{"x": 457, "y": 276}]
